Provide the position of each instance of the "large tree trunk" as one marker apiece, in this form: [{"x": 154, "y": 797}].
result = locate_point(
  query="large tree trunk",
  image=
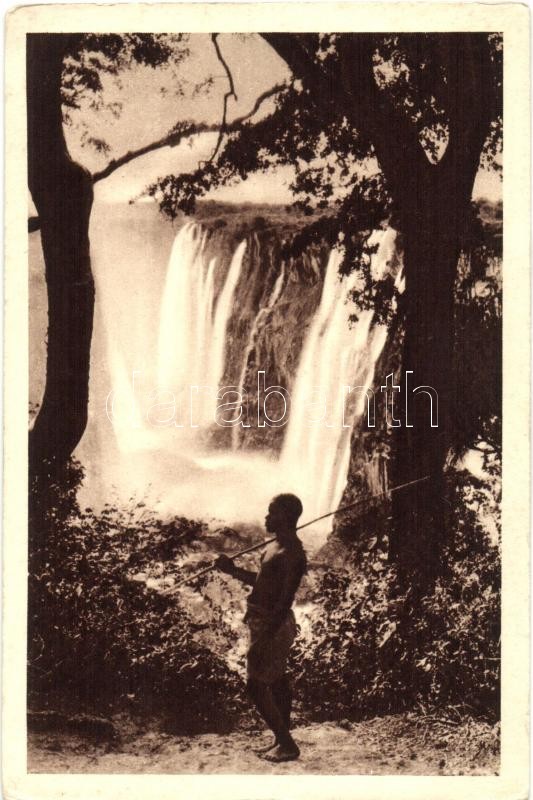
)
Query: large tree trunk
[
  {"x": 431, "y": 244},
  {"x": 62, "y": 192},
  {"x": 433, "y": 211}
]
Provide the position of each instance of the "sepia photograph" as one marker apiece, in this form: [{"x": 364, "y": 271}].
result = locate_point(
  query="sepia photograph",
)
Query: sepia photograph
[{"x": 264, "y": 348}]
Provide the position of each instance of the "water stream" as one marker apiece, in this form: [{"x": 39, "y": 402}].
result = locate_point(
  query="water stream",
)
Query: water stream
[{"x": 177, "y": 335}]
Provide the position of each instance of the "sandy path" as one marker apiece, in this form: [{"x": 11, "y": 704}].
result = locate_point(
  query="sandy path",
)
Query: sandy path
[{"x": 383, "y": 746}]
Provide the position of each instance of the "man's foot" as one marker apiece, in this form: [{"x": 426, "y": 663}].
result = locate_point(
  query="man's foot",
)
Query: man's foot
[
  {"x": 283, "y": 753},
  {"x": 260, "y": 751}
]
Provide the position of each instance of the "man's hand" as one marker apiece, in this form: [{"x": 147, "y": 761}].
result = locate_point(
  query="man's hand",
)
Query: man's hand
[{"x": 225, "y": 564}]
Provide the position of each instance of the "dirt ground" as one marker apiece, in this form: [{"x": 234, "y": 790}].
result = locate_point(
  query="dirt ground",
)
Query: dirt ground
[{"x": 395, "y": 745}]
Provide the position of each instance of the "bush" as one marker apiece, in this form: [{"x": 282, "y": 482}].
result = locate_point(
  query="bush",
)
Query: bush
[
  {"x": 372, "y": 649},
  {"x": 101, "y": 634},
  {"x": 98, "y": 634}
]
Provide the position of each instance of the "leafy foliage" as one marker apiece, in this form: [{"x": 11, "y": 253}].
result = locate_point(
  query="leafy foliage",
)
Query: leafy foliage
[
  {"x": 98, "y": 635},
  {"x": 92, "y": 56},
  {"x": 334, "y": 149},
  {"x": 374, "y": 650},
  {"x": 90, "y": 59},
  {"x": 478, "y": 337},
  {"x": 101, "y": 634}
]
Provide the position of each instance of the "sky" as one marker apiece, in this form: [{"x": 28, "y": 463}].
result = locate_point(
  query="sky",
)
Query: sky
[{"x": 151, "y": 106}]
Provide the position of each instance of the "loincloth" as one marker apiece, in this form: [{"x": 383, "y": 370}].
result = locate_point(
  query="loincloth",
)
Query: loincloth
[{"x": 268, "y": 652}]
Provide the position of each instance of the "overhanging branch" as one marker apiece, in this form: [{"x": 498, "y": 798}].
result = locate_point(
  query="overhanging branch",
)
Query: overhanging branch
[
  {"x": 171, "y": 139},
  {"x": 175, "y": 137},
  {"x": 348, "y": 82}
]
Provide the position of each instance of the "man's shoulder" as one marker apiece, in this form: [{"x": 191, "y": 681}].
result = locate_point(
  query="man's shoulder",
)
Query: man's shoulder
[
  {"x": 288, "y": 551},
  {"x": 272, "y": 551},
  {"x": 295, "y": 553},
  {"x": 297, "y": 548}
]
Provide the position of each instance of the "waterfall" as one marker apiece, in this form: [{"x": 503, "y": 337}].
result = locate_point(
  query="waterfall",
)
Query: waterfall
[
  {"x": 193, "y": 324},
  {"x": 260, "y": 321},
  {"x": 171, "y": 312},
  {"x": 224, "y": 307},
  {"x": 316, "y": 450}
]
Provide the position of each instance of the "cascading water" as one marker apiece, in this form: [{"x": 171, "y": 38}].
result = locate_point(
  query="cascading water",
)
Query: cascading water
[
  {"x": 336, "y": 370},
  {"x": 193, "y": 325},
  {"x": 180, "y": 328},
  {"x": 259, "y": 322}
]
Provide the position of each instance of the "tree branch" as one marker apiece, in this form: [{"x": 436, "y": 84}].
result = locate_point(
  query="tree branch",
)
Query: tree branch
[
  {"x": 227, "y": 95},
  {"x": 175, "y": 137},
  {"x": 347, "y": 82},
  {"x": 34, "y": 224},
  {"x": 172, "y": 139},
  {"x": 471, "y": 107}
]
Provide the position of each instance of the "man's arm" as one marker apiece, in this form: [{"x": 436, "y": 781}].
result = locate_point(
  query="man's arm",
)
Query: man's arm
[
  {"x": 244, "y": 575},
  {"x": 225, "y": 564}
]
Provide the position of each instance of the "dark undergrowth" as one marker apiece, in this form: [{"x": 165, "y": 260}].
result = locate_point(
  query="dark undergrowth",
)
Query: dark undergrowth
[{"x": 104, "y": 640}]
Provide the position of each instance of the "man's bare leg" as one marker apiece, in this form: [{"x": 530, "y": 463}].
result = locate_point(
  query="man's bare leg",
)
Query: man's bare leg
[
  {"x": 283, "y": 698},
  {"x": 281, "y": 689},
  {"x": 285, "y": 748}
]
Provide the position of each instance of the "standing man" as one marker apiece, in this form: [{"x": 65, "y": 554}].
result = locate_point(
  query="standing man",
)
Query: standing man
[{"x": 271, "y": 622}]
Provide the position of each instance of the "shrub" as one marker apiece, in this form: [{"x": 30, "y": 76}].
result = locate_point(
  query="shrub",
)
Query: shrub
[
  {"x": 372, "y": 649},
  {"x": 98, "y": 634},
  {"x": 102, "y": 634}
]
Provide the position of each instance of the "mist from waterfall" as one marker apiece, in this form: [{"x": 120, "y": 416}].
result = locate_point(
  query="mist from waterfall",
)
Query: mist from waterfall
[{"x": 173, "y": 333}]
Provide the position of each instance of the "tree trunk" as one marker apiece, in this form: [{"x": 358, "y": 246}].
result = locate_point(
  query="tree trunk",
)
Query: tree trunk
[
  {"x": 433, "y": 210},
  {"x": 431, "y": 241},
  {"x": 63, "y": 193}
]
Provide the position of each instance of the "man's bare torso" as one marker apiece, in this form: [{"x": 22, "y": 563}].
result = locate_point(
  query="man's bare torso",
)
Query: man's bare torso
[{"x": 282, "y": 567}]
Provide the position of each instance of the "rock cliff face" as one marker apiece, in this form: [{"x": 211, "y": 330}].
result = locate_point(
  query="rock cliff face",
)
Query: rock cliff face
[
  {"x": 214, "y": 300},
  {"x": 274, "y": 309},
  {"x": 370, "y": 452},
  {"x": 275, "y": 300}
]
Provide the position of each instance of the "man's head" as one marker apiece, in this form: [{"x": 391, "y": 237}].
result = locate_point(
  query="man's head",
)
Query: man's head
[{"x": 283, "y": 513}]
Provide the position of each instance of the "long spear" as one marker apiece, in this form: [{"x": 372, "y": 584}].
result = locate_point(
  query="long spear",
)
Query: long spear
[{"x": 258, "y": 546}]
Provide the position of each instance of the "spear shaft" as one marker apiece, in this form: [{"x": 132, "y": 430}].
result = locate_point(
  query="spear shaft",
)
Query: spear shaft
[{"x": 258, "y": 546}]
